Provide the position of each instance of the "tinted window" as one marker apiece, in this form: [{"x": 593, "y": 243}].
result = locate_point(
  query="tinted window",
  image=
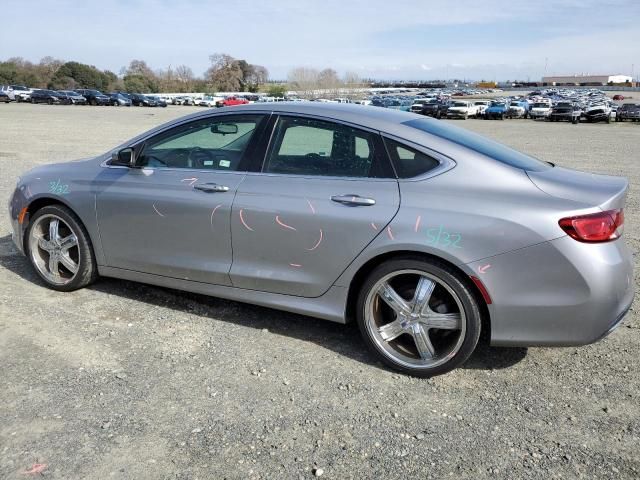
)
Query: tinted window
[
  {"x": 407, "y": 161},
  {"x": 313, "y": 147},
  {"x": 214, "y": 143},
  {"x": 480, "y": 144}
]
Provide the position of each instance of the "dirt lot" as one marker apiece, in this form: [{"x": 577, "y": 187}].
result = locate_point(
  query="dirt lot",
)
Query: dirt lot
[{"x": 128, "y": 381}]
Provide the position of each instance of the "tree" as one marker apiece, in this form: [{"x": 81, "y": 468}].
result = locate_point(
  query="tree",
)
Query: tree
[
  {"x": 328, "y": 79},
  {"x": 185, "y": 78},
  {"x": 276, "y": 90},
  {"x": 139, "y": 84},
  {"x": 304, "y": 80},
  {"x": 139, "y": 78},
  {"x": 225, "y": 73},
  {"x": 75, "y": 74}
]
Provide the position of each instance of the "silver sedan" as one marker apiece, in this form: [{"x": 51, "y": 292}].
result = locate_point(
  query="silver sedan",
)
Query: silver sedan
[{"x": 423, "y": 233}]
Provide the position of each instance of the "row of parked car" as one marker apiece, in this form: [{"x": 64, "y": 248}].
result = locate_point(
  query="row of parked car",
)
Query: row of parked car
[
  {"x": 80, "y": 96},
  {"x": 551, "y": 105},
  {"x": 84, "y": 96}
]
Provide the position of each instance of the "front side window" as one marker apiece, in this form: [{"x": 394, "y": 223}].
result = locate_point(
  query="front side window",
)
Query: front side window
[
  {"x": 315, "y": 147},
  {"x": 210, "y": 144}
]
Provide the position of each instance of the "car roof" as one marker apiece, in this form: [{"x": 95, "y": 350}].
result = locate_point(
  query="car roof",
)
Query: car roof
[{"x": 363, "y": 115}]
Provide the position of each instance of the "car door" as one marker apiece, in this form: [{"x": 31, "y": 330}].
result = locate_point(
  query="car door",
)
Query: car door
[
  {"x": 324, "y": 192},
  {"x": 170, "y": 215}
]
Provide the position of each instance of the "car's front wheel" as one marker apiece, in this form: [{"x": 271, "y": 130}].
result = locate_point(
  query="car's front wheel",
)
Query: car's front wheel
[
  {"x": 60, "y": 250},
  {"x": 418, "y": 316}
]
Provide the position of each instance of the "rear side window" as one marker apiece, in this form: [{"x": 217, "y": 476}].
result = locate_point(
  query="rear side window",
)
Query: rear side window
[
  {"x": 303, "y": 146},
  {"x": 480, "y": 144},
  {"x": 408, "y": 162}
]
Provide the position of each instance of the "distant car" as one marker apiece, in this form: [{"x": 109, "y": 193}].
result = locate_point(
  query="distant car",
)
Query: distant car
[
  {"x": 435, "y": 108},
  {"x": 232, "y": 101},
  {"x": 462, "y": 109},
  {"x": 518, "y": 109},
  {"x": 496, "y": 110},
  {"x": 46, "y": 96},
  {"x": 423, "y": 233},
  {"x": 94, "y": 97},
  {"x": 540, "y": 110},
  {"x": 628, "y": 111},
  {"x": 416, "y": 106},
  {"x": 482, "y": 106},
  {"x": 21, "y": 93},
  {"x": 618, "y": 97},
  {"x": 210, "y": 101},
  {"x": 157, "y": 101},
  {"x": 7, "y": 91},
  {"x": 565, "y": 111},
  {"x": 117, "y": 99},
  {"x": 598, "y": 113},
  {"x": 72, "y": 98}
]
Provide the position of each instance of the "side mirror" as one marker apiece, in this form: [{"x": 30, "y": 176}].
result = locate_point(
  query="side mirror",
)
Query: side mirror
[
  {"x": 224, "y": 128},
  {"x": 123, "y": 157}
]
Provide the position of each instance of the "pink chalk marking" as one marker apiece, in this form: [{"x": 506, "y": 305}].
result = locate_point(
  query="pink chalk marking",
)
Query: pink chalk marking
[
  {"x": 295, "y": 265},
  {"x": 484, "y": 268},
  {"x": 417, "y": 223},
  {"x": 313, "y": 210},
  {"x": 284, "y": 225},
  {"x": 191, "y": 180},
  {"x": 245, "y": 223},
  {"x": 37, "y": 468},
  {"x": 317, "y": 244},
  {"x": 373, "y": 225},
  {"x": 213, "y": 212},
  {"x": 390, "y": 233},
  {"x": 154, "y": 207}
]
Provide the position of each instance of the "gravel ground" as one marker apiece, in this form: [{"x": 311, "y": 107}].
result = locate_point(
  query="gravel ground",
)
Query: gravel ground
[{"x": 128, "y": 381}]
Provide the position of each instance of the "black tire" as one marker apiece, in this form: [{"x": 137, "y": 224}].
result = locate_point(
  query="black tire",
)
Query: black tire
[
  {"x": 608, "y": 120},
  {"x": 93, "y": 102},
  {"x": 444, "y": 274},
  {"x": 574, "y": 121},
  {"x": 33, "y": 100},
  {"x": 87, "y": 267}
]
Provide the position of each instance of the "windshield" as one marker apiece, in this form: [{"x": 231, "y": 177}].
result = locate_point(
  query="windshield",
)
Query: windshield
[
  {"x": 479, "y": 144},
  {"x": 460, "y": 104},
  {"x": 497, "y": 104},
  {"x": 540, "y": 105}
]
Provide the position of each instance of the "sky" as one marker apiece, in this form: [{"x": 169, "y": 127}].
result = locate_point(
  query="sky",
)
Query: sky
[{"x": 391, "y": 39}]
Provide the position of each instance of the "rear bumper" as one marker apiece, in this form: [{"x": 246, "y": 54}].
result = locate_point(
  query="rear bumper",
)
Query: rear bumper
[{"x": 558, "y": 293}]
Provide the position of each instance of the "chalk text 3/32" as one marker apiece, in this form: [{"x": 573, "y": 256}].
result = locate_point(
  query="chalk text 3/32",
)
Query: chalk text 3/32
[
  {"x": 439, "y": 237},
  {"x": 58, "y": 187}
]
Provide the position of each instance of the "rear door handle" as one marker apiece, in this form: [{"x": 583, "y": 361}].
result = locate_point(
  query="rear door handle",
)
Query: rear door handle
[
  {"x": 352, "y": 200},
  {"x": 211, "y": 187}
]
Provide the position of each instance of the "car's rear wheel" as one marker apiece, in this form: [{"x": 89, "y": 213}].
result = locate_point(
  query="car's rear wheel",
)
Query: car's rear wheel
[
  {"x": 418, "y": 316},
  {"x": 60, "y": 250}
]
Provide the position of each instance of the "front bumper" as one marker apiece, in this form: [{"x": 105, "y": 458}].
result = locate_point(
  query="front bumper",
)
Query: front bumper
[
  {"x": 18, "y": 217},
  {"x": 557, "y": 293}
]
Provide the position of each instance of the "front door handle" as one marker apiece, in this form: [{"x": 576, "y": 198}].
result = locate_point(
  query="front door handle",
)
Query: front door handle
[
  {"x": 352, "y": 200},
  {"x": 211, "y": 187}
]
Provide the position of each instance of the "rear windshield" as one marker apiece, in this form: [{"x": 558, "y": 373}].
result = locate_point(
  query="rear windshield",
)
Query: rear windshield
[{"x": 479, "y": 144}]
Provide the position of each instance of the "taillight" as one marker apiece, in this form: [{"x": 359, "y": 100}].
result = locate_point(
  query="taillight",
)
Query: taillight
[{"x": 595, "y": 227}]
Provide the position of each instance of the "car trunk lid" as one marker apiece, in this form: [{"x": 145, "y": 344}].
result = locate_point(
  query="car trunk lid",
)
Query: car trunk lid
[{"x": 602, "y": 191}]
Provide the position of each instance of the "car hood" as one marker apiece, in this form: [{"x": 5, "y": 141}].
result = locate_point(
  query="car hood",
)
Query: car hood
[{"x": 603, "y": 191}]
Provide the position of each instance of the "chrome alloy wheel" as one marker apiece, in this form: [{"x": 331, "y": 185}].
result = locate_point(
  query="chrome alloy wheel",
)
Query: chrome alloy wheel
[
  {"x": 415, "y": 319},
  {"x": 54, "y": 249}
]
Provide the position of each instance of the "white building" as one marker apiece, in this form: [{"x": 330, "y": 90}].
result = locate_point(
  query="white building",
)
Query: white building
[{"x": 586, "y": 79}]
